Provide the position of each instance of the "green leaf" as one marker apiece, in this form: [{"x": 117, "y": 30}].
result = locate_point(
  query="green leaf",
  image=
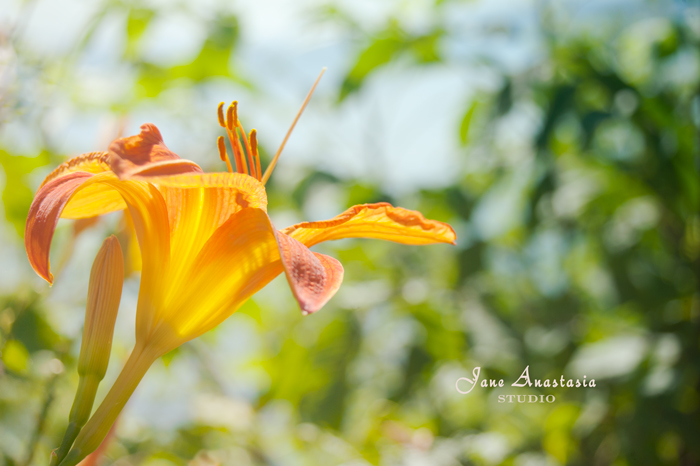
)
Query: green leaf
[
  {"x": 380, "y": 52},
  {"x": 15, "y": 356},
  {"x": 392, "y": 42},
  {"x": 212, "y": 61},
  {"x": 466, "y": 122},
  {"x": 136, "y": 24},
  {"x": 31, "y": 328},
  {"x": 168, "y": 357},
  {"x": 425, "y": 47}
]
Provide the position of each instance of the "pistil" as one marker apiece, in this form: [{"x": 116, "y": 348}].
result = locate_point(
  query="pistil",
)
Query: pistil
[{"x": 271, "y": 167}]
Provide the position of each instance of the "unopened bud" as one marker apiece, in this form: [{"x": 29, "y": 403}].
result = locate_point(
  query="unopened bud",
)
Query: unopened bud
[{"x": 104, "y": 295}]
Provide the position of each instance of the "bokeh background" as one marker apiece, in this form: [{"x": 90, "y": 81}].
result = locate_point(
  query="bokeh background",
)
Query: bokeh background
[{"x": 559, "y": 138}]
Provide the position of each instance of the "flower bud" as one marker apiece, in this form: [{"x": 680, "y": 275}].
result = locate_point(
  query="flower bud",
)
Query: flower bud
[{"x": 104, "y": 295}]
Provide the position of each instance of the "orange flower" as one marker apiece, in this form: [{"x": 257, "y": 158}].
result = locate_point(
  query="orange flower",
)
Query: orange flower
[{"x": 206, "y": 241}]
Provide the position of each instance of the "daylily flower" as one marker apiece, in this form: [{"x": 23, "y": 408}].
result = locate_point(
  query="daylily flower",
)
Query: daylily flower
[{"x": 206, "y": 241}]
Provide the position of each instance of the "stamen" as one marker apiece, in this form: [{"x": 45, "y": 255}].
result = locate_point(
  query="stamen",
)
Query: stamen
[
  {"x": 220, "y": 113},
  {"x": 248, "y": 151},
  {"x": 231, "y": 119},
  {"x": 240, "y": 153},
  {"x": 254, "y": 148},
  {"x": 236, "y": 152},
  {"x": 222, "y": 152},
  {"x": 271, "y": 167}
]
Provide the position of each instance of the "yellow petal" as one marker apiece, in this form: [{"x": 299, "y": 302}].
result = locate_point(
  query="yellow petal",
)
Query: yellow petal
[
  {"x": 93, "y": 162},
  {"x": 150, "y": 216},
  {"x": 242, "y": 256},
  {"x": 197, "y": 205},
  {"x": 145, "y": 155},
  {"x": 237, "y": 260},
  {"x": 231, "y": 187},
  {"x": 91, "y": 202},
  {"x": 145, "y": 203},
  {"x": 133, "y": 254},
  {"x": 379, "y": 221}
]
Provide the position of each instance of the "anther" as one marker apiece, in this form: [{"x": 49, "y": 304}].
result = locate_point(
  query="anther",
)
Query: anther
[
  {"x": 220, "y": 113},
  {"x": 232, "y": 115},
  {"x": 222, "y": 148},
  {"x": 222, "y": 153}
]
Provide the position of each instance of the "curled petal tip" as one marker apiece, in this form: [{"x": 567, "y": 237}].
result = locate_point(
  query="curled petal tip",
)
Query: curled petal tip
[
  {"x": 145, "y": 155},
  {"x": 452, "y": 236},
  {"x": 314, "y": 278},
  {"x": 43, "y": 217}
]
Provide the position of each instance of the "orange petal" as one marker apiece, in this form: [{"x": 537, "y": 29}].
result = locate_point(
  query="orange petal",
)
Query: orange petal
[
  {"x": 380, "y": 221},
  {"x": 241, "y": 256},
  {"x": 150, "y": 216},
  {"x": 43, "y": 217},
  {"x": 144, "y": 201},
  {"x": 146, "y": 155},
  {"x": 93, "y": 200}
]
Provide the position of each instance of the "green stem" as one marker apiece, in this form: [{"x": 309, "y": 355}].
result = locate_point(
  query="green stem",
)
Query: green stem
[
  {"x": 99, "y": 424},
  {"x": 79, "y": 414}
]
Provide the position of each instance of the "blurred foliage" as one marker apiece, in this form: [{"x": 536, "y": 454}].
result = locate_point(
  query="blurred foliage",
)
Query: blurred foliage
[
  {"x": 387, "y": 46},
  {"x": 17, "y": 194},
  {"x": 212, "y": 61},
  {"x": 579, "y": 253}
]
